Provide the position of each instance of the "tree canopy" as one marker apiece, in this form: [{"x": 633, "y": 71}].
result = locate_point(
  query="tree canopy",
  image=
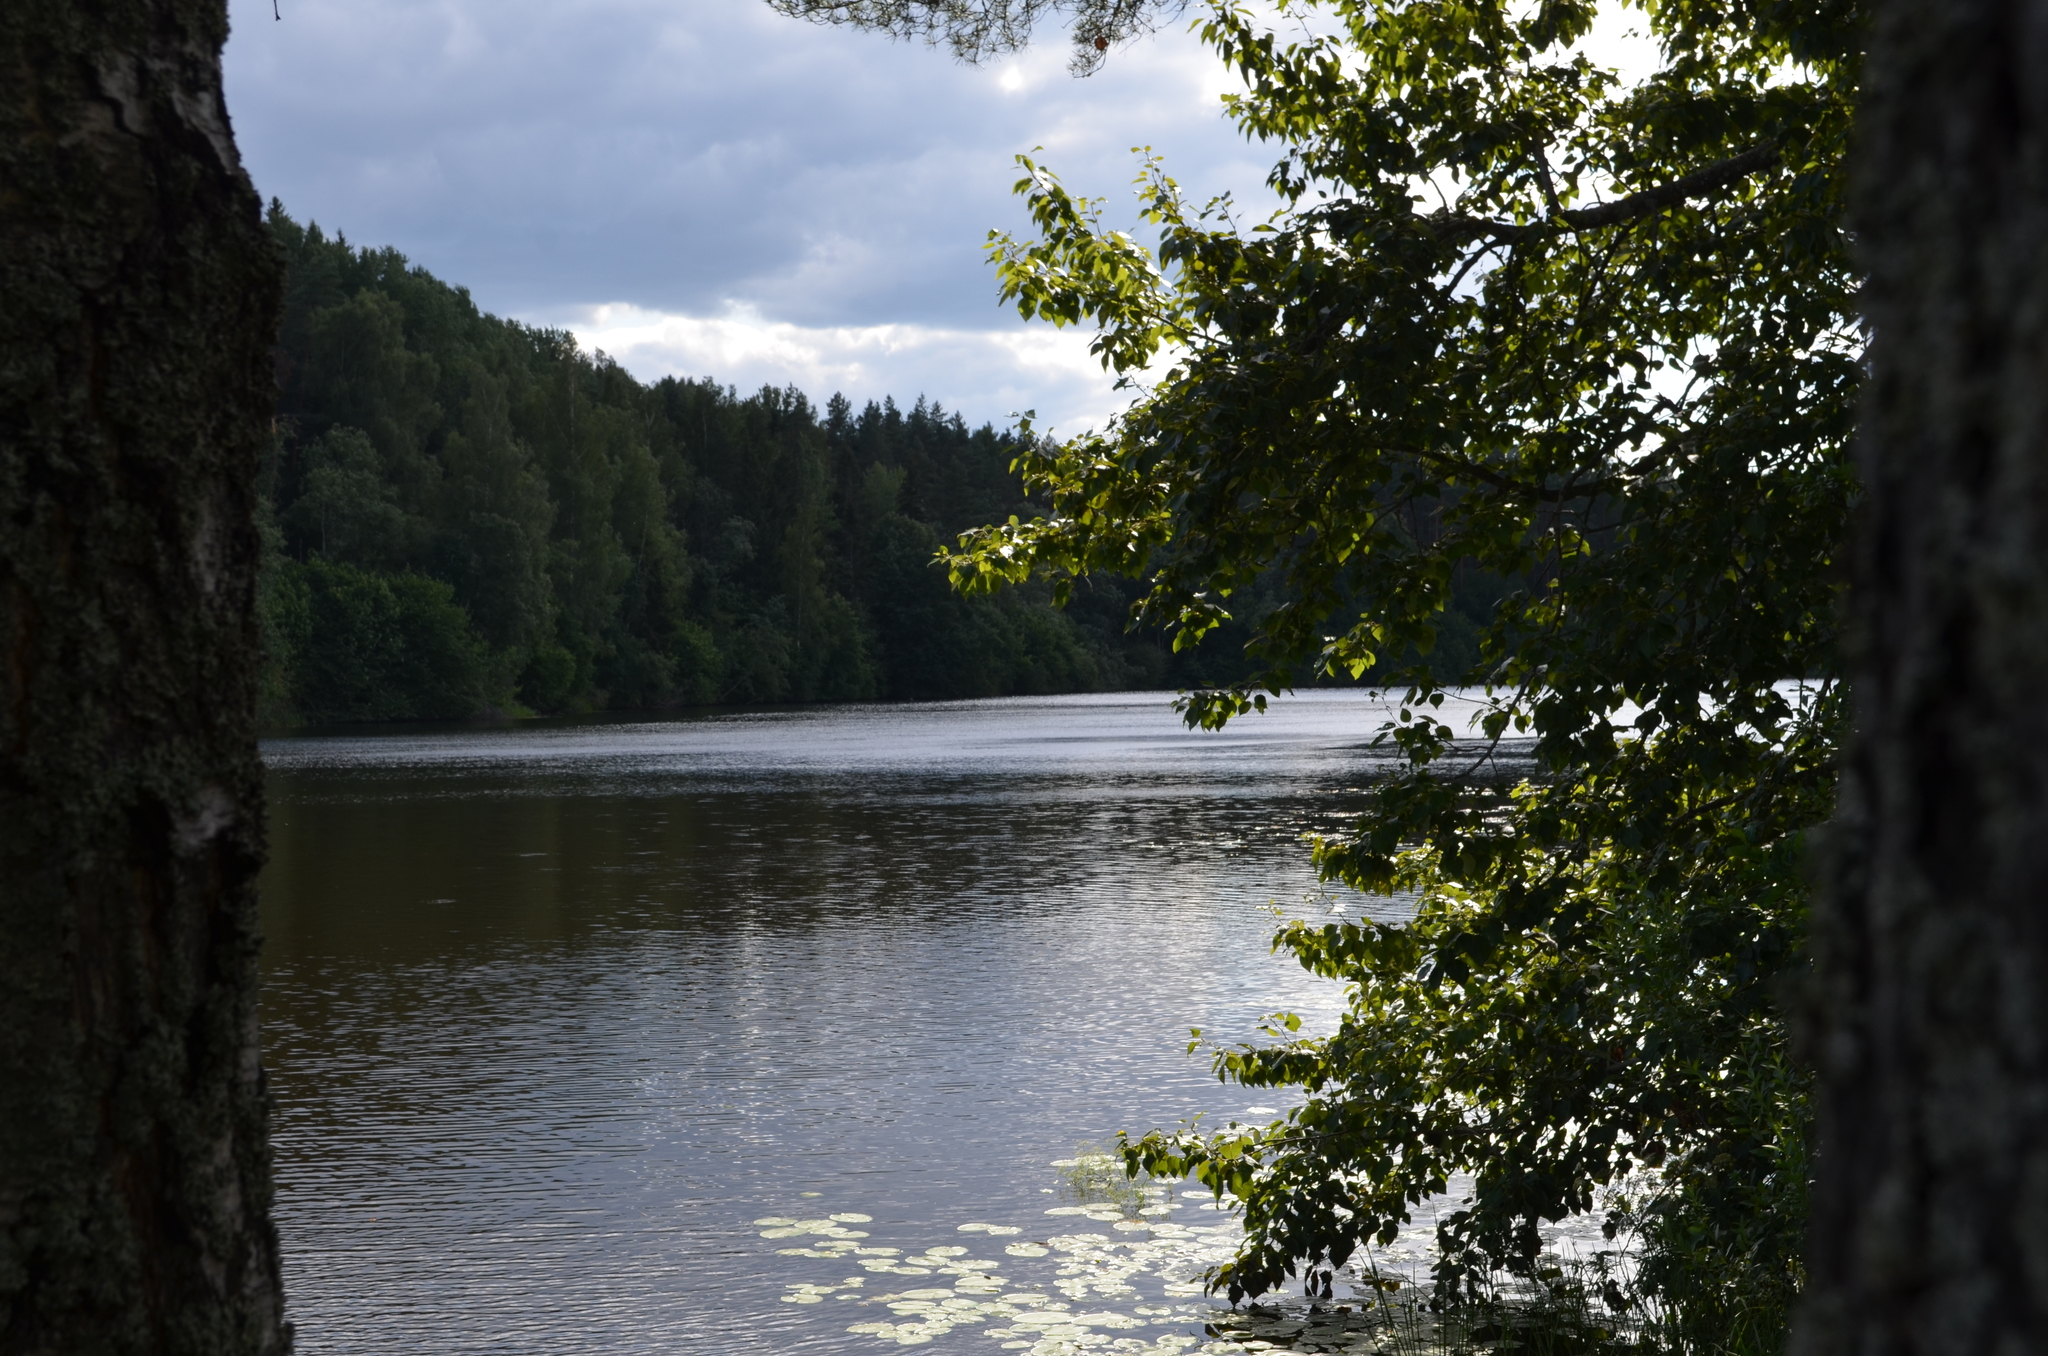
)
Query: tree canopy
[
  {"x": 468, "y": 513},
  {"x": 1589, "y": 339},
  {"x": 975, "y": 30}
]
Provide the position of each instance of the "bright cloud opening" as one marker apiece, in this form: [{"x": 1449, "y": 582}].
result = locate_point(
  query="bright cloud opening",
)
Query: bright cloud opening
[{"x": 986, "y": 375}]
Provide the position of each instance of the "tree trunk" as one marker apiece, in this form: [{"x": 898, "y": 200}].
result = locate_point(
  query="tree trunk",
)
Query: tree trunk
[
  {"x": 1930, "y": 1215},
  {"x": 139, "y": 295}
]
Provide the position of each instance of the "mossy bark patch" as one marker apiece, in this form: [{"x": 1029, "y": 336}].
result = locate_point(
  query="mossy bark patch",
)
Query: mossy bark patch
[{"x": 138, "y": 301}]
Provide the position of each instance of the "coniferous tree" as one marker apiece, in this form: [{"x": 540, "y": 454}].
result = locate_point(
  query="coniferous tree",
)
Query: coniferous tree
[{"x": 610, "y": 543}]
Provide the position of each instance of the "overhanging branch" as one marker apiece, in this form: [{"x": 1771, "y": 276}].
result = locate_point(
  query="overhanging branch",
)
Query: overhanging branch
[{"x": 1646, "y": 202}]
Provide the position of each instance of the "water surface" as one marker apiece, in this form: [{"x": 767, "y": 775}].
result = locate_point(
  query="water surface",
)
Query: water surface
[{"x": 555, "y": 1013}]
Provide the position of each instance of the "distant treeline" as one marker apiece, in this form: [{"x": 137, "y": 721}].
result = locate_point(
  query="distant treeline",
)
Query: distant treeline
[{"x": 468, "y": 514}]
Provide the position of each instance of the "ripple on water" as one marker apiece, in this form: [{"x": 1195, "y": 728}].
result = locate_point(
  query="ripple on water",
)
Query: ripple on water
[{"x": 555, "y": 1014}]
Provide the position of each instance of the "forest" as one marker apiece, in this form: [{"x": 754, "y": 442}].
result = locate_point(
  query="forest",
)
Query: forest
[
  {"x": 1714, "y": 369},
  {"x": 465, "y": 515}
]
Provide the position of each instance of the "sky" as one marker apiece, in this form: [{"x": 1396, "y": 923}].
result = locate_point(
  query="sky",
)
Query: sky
[{"x": 708, "y": 189}]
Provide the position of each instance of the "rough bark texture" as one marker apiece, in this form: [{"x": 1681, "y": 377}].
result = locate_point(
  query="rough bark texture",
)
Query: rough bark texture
[
  {"x": 138, "y": 298},
  {"x": 1930, "y": 1216}
]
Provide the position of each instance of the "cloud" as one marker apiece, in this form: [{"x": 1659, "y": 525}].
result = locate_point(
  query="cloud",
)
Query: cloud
[
  {"x": 717, "y": 164},
  {"x": 689, "y": 155},
  {"x": 736, "y": 172},
  {"x": 987, "y": 374}
]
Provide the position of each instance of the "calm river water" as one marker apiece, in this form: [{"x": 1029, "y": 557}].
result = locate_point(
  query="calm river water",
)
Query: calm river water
[{"x": 562, "y": 1020}]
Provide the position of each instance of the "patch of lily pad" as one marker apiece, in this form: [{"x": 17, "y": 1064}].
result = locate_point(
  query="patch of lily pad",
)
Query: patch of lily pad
[
  {"x": 1119, "y": 1271},
  {"x": 1131, "y": 1285}
]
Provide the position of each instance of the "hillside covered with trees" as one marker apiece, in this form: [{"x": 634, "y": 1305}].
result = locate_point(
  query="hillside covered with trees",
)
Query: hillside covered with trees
[{"x": 467, "y": 514}]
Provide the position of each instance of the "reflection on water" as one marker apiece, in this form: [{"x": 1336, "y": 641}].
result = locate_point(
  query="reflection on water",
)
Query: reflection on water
[{"x": 554, "y": 1014}]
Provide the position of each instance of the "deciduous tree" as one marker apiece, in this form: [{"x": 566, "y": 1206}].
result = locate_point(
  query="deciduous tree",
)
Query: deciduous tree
[
  {"x": 1591, "y": 341},
  {"x": 975, "y": 30}
]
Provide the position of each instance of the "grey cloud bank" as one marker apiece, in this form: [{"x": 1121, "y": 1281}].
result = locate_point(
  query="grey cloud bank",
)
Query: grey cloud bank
[{"x": 711, "y": 189}]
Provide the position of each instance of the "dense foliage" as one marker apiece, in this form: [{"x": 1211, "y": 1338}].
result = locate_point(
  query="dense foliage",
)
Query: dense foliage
[
  {"x": 976, "y": 30},
  {"x": 471, "y": 514},
  {"x": 1519, "y": 321}
]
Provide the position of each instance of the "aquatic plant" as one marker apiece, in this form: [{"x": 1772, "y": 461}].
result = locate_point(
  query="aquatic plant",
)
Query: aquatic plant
[{"x": 1134, "y": 1285}]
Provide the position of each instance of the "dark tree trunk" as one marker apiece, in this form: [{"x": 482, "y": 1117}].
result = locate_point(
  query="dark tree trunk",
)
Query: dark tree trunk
[
  {"x": 138, "y": 298},
  {"x": 1930, "y": 1216}
]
